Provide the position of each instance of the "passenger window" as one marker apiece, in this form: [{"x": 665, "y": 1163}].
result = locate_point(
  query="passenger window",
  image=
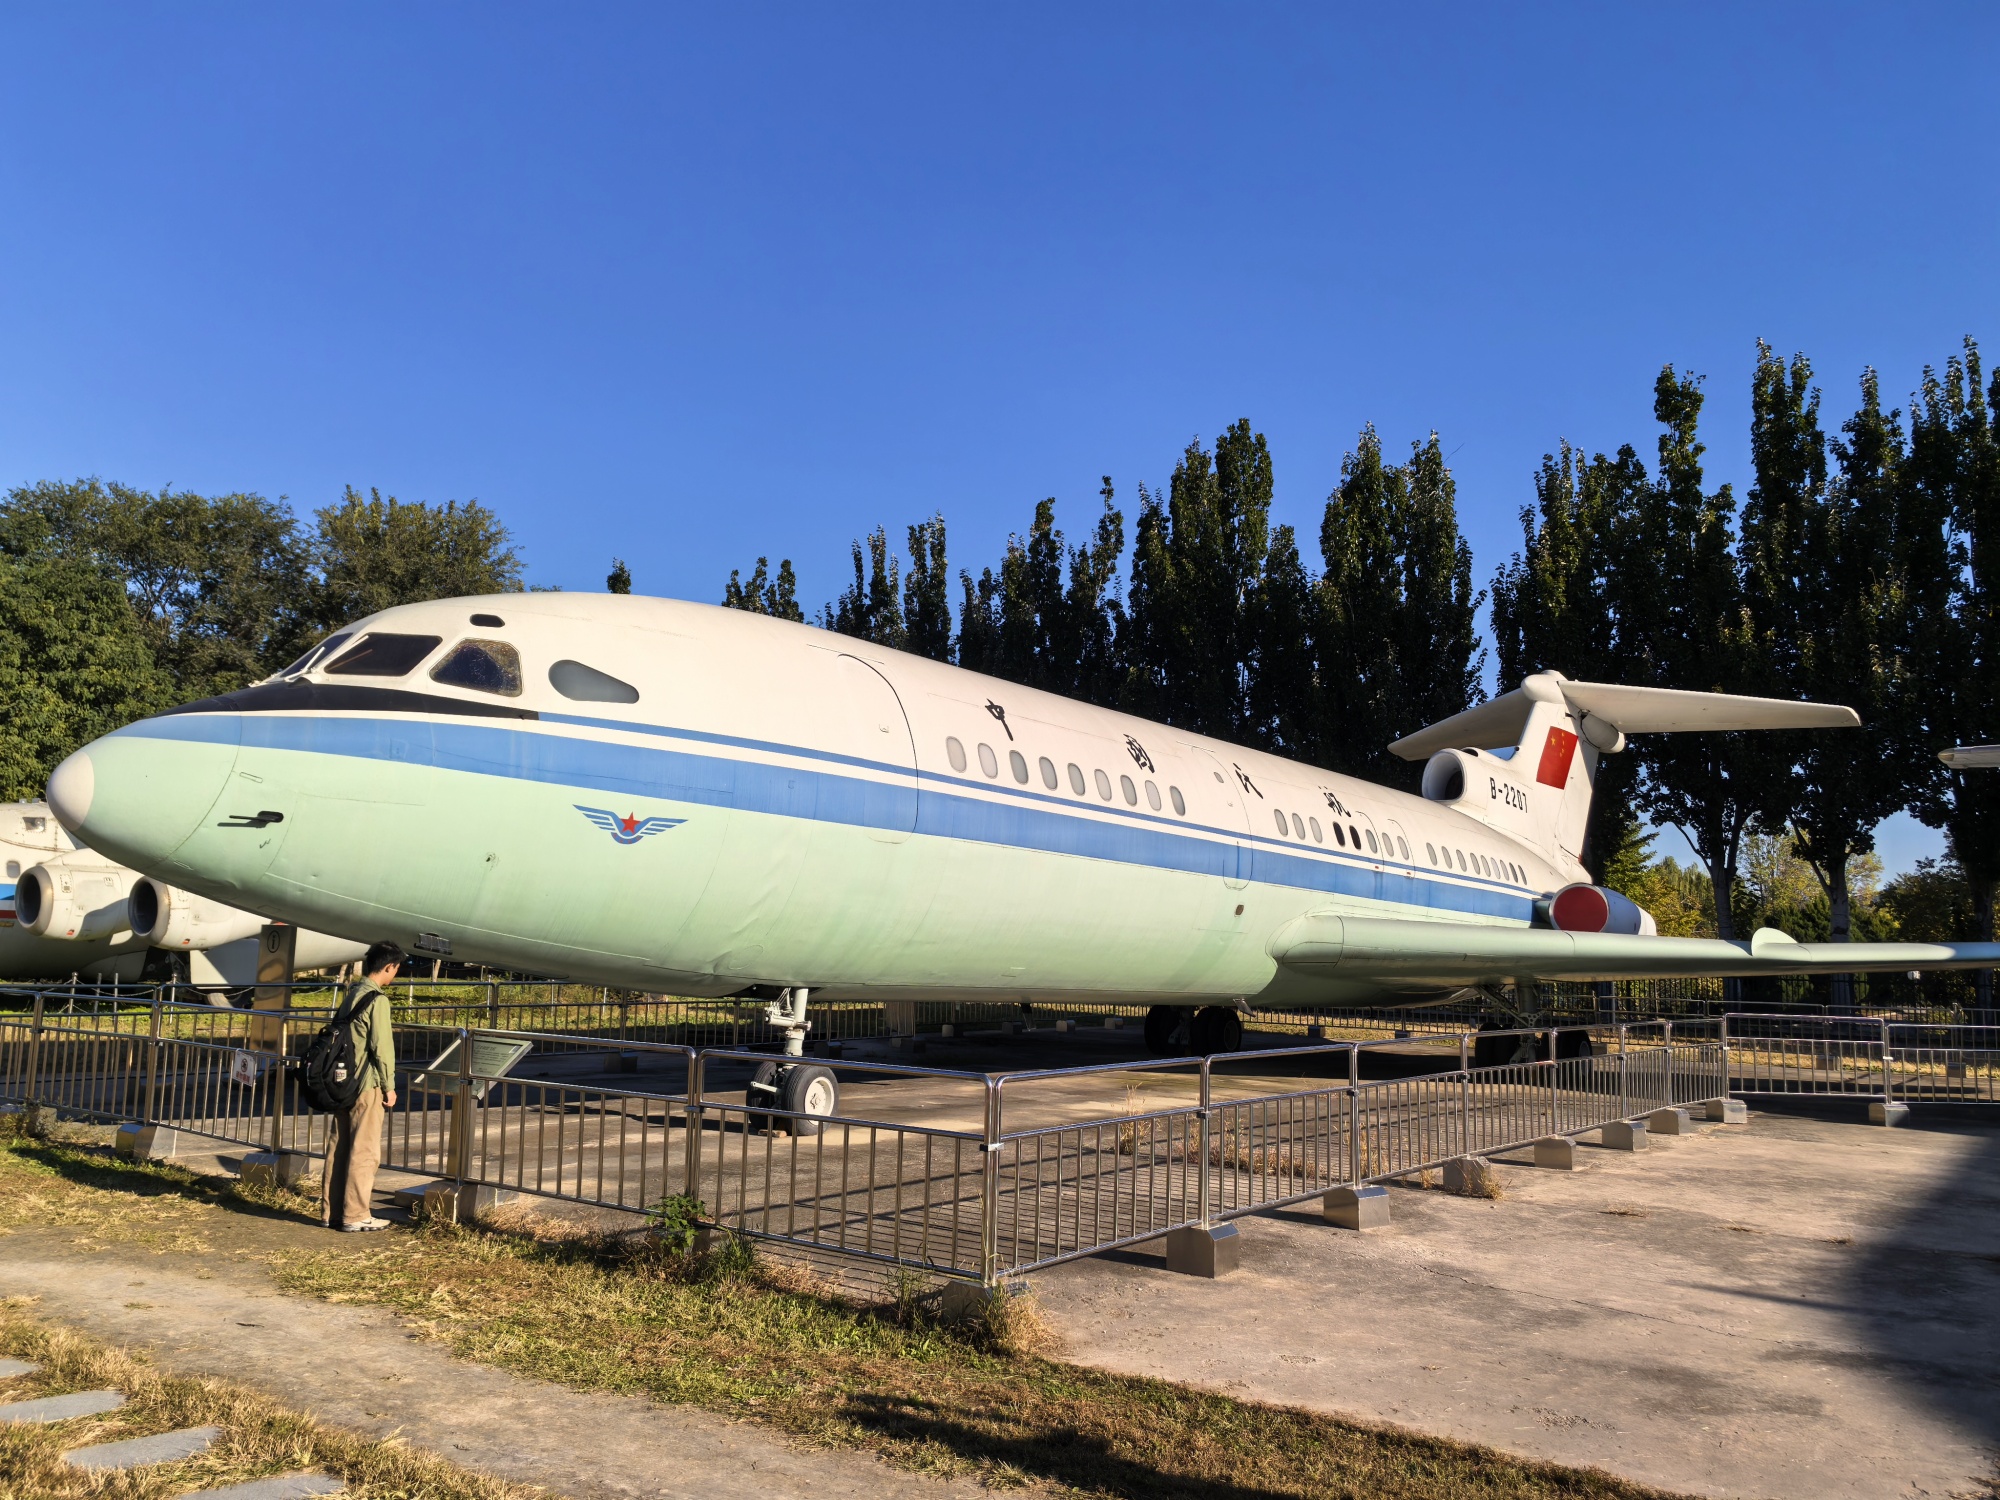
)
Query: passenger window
[
  {"x": 1076, "y": 778},
  {"x": 986, "y": 761},
  {"x": 1103, "y": 785},
  {"x": 1048, "y": 773},
  {"x": 1180, "y": 802},
  {"x": 1339, "y": 837},
  {"x": 483, "y": 666},
  {"x": 1283, "y": 826},
  {"x": 378, "y": 654},
  {"x": 1371, "y": 840},
  {"x": 13, "y": 869},
  {"x": 588, "y": 685},
  {"x": 956, "y": 752},
  {"x": 1354, "y": 837},
  {"x": 1299, "y": 827},
  {"x": 1404, "y": 845},
  {"x": 1313, "y": 823},
  {"x": 1131, "y": 792},
  {"x": 1431, "y": 850},
  {"x": 1018, "y": 764},
  {"x": 1152, "y": 796},
  {"x": 1460, "y": 853}
]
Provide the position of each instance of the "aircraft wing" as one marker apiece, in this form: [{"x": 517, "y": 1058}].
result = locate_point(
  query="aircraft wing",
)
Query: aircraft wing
[{"x": 1398, "y": 952}]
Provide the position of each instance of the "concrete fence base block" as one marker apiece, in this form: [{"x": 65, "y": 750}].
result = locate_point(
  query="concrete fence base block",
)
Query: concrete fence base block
[
  {"x": 1669, "y": 1122},
  {"x": 1892, "y": 1112},
  {"x": 1556, "y": 1153},
  {"x": 1357, "y": 1208},
  {"x": 1471, "y": 1177},
  {"x": 1203, "y": 1250},
  {"x": 621, "y": 1062},
  {"x": 1065, "y": 1025},
  {"x": 140, "y": 1142},
  {"x": 959, "y": 1301},
  {"x": 447, "y": 1203},
  {"x": 274, "y": 1169},
  {"x": 1728, "y": 1112},
  {"x": 1624, "y": 1135}
]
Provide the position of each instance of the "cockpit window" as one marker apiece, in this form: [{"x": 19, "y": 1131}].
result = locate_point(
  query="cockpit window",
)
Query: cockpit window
[
  {"x": 588, "y": 685},
  {"x": 378, "y": 654},
  {"x": 483, "y": 666},
  {"x": 320, "y": 652}
]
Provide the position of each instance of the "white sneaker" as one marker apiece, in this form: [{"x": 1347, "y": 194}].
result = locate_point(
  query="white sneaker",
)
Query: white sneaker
[{"x": 364, "y": 1226}]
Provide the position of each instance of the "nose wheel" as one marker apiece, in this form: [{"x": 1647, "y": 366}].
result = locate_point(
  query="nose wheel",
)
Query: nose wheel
[{"x": 806, "y": 1093}]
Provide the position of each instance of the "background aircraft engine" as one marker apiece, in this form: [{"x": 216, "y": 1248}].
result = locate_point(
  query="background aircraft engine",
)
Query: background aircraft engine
[
  {"x": 169, "y": 917},
  {"x": 76, "y": 904},
  {"x": 1592, "y": 908},
  {"x": 1445, "y": 778}
]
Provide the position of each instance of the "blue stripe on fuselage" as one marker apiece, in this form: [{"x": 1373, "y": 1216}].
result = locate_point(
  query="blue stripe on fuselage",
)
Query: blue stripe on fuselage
[{"x": 825, "y": 796}]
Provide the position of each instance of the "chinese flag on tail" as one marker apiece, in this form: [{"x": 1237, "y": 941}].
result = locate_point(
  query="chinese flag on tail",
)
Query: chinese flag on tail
[{"x": 1557, "y": 750}]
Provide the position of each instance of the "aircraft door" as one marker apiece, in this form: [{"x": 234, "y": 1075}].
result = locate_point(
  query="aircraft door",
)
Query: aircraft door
[
  {"x": 878, "y": 732},
  {"x": 1223, "y": 804}
]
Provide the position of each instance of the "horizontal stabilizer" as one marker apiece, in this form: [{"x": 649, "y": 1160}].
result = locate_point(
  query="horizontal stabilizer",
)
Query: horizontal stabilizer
[
  {"x": 1619, "y": 710},
  {"x": 1971, "y": 757},
  {"x": 1405, "y": 953}
]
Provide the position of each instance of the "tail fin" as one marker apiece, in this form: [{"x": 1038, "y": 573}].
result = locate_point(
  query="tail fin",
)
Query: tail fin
[{"x": 1539, "y": 791}]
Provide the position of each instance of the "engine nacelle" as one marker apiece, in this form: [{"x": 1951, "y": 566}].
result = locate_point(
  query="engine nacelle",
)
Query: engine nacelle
[
  {"x": 168, "y": 917},
  {"x": 1593, "y": 908},
  {"x": 79, "y": 903}
]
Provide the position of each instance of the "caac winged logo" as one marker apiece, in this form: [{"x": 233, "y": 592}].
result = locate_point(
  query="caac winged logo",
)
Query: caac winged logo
[{"x": 630, "y": 828}]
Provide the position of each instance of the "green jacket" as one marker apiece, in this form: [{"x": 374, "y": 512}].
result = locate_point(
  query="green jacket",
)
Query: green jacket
[{"x": 374, "y": 1036}]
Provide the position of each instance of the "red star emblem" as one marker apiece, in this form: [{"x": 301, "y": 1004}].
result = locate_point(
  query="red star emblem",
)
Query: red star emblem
[{"x": 630, "y": 823}]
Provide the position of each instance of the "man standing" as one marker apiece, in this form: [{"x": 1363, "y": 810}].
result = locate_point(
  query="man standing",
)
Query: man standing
[{"x": 357, "y": 1145}]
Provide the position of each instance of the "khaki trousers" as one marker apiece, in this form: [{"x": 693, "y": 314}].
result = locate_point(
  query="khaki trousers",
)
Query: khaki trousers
[{"x": 357, "y": 1152}]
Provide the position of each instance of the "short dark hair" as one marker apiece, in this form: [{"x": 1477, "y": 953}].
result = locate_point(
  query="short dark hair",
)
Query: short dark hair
[{"x": 381, "y": 955}]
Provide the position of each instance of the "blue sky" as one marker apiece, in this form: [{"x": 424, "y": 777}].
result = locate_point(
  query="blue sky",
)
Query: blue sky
[{"x": 690, "y": 285}]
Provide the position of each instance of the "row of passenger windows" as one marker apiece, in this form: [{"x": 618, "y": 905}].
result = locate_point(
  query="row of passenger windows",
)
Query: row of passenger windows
[
  {"x": 1348, "y": 836},
  {"x": 483, "y": 666},
  {"x": 1017, "y": 766},
  {"x": 1476, "y": 864}
]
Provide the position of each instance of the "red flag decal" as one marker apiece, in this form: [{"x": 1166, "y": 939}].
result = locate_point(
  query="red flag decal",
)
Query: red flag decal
[{"x": 1556, "y": 752}]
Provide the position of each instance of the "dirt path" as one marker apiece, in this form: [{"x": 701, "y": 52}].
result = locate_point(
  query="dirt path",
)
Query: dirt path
[{"x": 362, "y": 1368}]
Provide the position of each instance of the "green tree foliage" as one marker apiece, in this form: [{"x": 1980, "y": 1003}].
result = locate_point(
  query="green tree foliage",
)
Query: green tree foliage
[
  {"x": 75, "y": 663},
  {"x": 763, "y": 595},
  {"x": 927, "y": 593},
  {"x": 216, "y": 583},
  {"x": 619, "y": 579},
  {"x": 372, "y": 554},
  {"x": 1932, "y": 903},
  {"x": 871, "y": 608}
]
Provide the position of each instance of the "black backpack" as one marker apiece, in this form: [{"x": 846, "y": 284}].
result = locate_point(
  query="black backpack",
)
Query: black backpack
[{"x": 329, "y": 1075}]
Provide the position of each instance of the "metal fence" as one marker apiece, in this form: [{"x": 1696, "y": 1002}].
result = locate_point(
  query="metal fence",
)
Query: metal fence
[{"x": 965, "y": 1174}]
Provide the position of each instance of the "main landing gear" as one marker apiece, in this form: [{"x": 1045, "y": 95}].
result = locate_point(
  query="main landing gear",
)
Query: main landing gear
[
  {"x": 1213, "y": 1028},
  {"x": 805, "y": 1092}
]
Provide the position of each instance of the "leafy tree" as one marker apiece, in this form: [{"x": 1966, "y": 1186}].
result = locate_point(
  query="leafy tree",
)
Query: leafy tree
[
  {"x": 376, "y": 553},
  {"x": 1932, "y": 903},
  {"x": 1682, "y": 624},
  {"x": 1093, "y": 618},
  {"x": 927, "y": 593},
  {"x": 74, "y": 664},
  {"x": 979, "y": 623},
  {"x": 215, "y": 582},
  {"x": 1286, "y": 712},
  {"x": 764, "y": 596},
  {"x": 619, "y": 579},
  {"x": 871, "y": 608}
]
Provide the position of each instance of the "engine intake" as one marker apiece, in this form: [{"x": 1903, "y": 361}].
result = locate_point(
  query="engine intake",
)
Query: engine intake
[
  {"x": 71, "y": 903},
  {"x": 168, "y": 917},
  {"x": 1593, "y": 908}
]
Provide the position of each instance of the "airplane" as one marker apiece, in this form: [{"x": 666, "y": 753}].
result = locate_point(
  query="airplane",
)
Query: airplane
[
  {"x": 65, "y": 910},
  {"x": 1971, "y": 757},
  {"x": 667, "y": 796}
]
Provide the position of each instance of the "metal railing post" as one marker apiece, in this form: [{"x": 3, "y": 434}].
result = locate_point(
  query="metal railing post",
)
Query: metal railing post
[
  {"x": 152, "y": 1063},
  {"x": 691, "y": 1170},
  {"x": 1624, "y": 1095},
  {"x": 32, "y": 1099},
  {"x": 1888, "y": 1080},
  {"x": 1354, "y": 1115},
  {"x": 493, "y": 1006},
  {"x": 1555, "y": 1069},
  {"x": 989, "y": 1189},
  {"x": 1203, "y": 1190},
  {"x": 1725, "y": 1053},
  {"x": 277, "y": 1075},
  {"x": 1464, "y": 1095},
  {"x": 459, "y": 1158}
]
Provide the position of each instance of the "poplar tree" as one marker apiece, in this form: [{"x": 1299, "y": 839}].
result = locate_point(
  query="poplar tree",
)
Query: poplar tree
[
  {"x": 763, "y": 595},
  {"x": 871, "y": 608},
  {"x": 927, "y": 593},
  {"x": 619, "y": 579}
]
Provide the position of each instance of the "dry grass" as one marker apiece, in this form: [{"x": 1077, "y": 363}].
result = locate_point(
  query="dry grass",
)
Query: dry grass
[
  {"x": 753, "y": 1336},
  {"x": 260, "y": 1437}
]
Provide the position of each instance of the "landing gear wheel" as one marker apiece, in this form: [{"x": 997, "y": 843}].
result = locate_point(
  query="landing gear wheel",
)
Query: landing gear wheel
[
  {"x": 809, "y": 1092},
  {"x": 1215, "y": 1028},
  {"x": 1489, "y": 1051},
  {"x": 1163, "y": 1023},
  {"x": 1571, "y": 1044},
  {"x": 763, "y": 1090}
]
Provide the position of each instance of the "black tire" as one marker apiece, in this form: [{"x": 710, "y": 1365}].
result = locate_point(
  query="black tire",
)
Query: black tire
[
  {"x": 763, "y": 1090},
  {"x": 1163, "y": 1023},
  {"x": 1571, "y": 1044},
  {"x": 807, "y": 1091},
  {"x": 1215, "y": 1028},
  {"x": 1490, "y": 1051}
]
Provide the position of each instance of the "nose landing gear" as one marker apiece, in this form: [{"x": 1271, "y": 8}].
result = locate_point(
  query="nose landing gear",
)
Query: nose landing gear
[{"x": 805, "y": 1092}]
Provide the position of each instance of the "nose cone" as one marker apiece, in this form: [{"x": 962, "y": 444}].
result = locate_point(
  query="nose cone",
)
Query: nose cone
[
  {"x": 137, "y": 794},
  {"x": 71, "y": 789}
]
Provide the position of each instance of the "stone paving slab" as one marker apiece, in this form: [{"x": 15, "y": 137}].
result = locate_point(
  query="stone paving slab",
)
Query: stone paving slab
[
  {"x": 62, "y": 1408},
  {"x": 136, "y": 1453},
  {"x": 277, "y": 1487},
  {"x": 9, "y": 1368}
]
